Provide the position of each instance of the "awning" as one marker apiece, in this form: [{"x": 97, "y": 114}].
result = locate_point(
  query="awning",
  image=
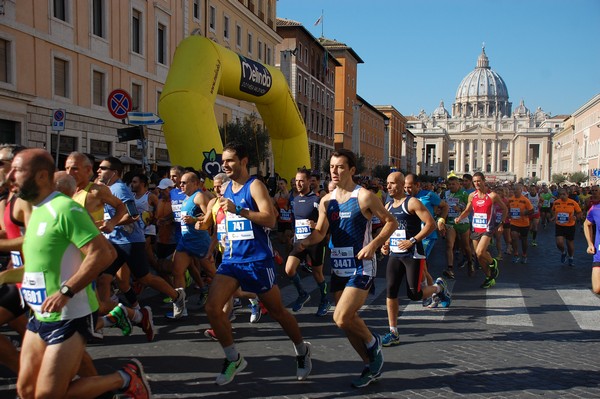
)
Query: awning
[
  {"x": 163, "y": 163},
  {"x": 127, "y": 160}
]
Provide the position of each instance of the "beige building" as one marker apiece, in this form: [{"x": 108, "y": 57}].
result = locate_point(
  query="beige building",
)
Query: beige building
[
  {"x": 484, "y": 133},
  {"x": 68, "y": 54},
  {"x": 577, "y": 144}
]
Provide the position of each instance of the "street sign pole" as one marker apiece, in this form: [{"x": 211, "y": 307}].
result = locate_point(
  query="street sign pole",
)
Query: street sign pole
[{"x": 57, "y": 149}]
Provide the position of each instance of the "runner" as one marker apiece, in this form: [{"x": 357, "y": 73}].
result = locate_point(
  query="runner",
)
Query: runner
[
  {"x": 456, "y": 198},
  {"x": 407, "y": 255},
  {"x": 65, "y": 252},
  {"x": 547, "y": 199},
  {"x": 534, "y": 218},
  {"x": 593, "y": 240},
  {"x": 520, "y": 209},
  {"x": 248, "y": 263},
  {"x": 481, "y": 203},
  {"x": 565, "y": 212},
  {"x": 347, "y": 211}
]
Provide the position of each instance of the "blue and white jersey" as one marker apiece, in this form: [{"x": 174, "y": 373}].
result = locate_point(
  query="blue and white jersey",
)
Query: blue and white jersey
[
  {"x": 350, "y": 232},
  {"x": 246, "y": 241},
  {"x": 177, "y": 198},
  {"x": 430, "y": 200},
  {"x": 306, "y": 209},
  {"x": 409, "y": 225},
  {"x": 129, "y": 233}
]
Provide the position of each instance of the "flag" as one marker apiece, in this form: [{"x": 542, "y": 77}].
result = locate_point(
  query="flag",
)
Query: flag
[{"x": 319, "y": 20}]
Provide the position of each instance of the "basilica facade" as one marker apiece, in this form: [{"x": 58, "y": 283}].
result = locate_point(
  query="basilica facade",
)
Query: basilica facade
[{"x": 484, "y": 134}]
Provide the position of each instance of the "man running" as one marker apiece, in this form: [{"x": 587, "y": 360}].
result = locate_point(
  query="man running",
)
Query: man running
[
  {"x": 248, "y": 263},
  {"x": 306, "y": 214},
  {"x": 347, "y": 212},
  {"x": 456, "y": 198},
  {"x": 520, "y": 209},
  {"x": 593, "y": 241},
  {"x": 484, "y": 223},
  {"x": 407, "y": 255},
  {"x": 565, "y": 213},
  {"x": 65, "y": 252}
]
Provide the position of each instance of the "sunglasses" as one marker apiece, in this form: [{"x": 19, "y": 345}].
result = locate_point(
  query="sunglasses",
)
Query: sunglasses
[{"x": 105, "y": 168}]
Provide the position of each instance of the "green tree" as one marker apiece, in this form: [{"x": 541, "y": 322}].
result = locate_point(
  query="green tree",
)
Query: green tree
[
  {"x": 250, "y": 134},
  {"x": 558, "y": 178},
  {"x": 381, "y": 172},
  {"x": 578, "y": 177}
]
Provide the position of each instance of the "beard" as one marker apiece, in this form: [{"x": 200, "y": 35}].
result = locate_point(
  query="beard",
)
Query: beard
[{"x": 28, "y": 191}]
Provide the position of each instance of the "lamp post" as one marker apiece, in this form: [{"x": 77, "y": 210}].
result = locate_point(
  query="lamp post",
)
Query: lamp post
[
  {"x": 423, "y": 159},
  {"x": 386, "y": 142},
  {"x": 403, "y": 146}
]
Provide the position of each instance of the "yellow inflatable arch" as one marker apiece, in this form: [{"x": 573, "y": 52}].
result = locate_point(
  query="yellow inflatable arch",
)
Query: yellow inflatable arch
[{"x": 200, "y": 70}]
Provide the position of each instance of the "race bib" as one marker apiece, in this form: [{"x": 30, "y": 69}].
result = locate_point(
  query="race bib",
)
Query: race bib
[
  {"x": 33, "y": 290},
  {"x": 343, "y": 263},
  {"x": 562, "y": 217},
  {"x": 452, "y": 204},
  {"x": 184, "y": 227},
  {"x": 176, "y": 212},
  {"x": 395, "y": 238},
  {"x": 480, "y": 220},
  {"x": 285, "y": 215},
  {"x": 302, "y": 228},
  {"x": 498, "y": 217},
  {"x": 238, "y": 228},
  {"x": 515, "y": 213},
  {"x": 221, "y": 232},
  {"x": 17, "y": 259},
  {"x": 546, "y": 204}
]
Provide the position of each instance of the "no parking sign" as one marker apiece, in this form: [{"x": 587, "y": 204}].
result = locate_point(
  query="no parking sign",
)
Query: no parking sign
[
  {"x": 119, "y": 103},
  {"x": 58, "y": 119}
]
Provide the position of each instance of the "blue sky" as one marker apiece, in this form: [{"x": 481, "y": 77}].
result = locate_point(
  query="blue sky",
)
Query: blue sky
[{"x": 416, "y": 52}]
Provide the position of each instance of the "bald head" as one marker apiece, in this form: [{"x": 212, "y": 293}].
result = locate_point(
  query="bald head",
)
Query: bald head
[
  {"x": 395, "y": 185},
  {"x": 65, "y": 183},
  {"x": 32, "y": 174}
]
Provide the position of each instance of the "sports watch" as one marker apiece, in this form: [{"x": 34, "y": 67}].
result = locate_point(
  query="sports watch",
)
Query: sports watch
[{"x": 66, "y": 290}]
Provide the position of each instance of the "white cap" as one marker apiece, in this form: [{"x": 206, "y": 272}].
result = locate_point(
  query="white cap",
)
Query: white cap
[{"x": 165, "y": 183}]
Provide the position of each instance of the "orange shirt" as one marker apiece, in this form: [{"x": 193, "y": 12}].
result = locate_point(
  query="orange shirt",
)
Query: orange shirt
[
  {"x": 517, "y": 209},
  {"x": 564, "y": 211}
]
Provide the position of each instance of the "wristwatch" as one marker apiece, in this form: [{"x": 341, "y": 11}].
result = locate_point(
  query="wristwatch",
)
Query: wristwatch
[
  {"x": 238, "y": 209},
  {"x": 66, "y": 290},
  {"x": 413, "y": 240}
]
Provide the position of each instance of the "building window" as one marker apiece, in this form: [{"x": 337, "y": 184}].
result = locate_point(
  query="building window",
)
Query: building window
[
  {"x": 136, "y": 32},
  {"x": 59, "y": 10},
  {"x": 98, "y": 17},
  {"x": 158, "y": 94},
  {"x": 136, "y": 97},
  {"x": 162, "y": 44},
  {"x": 61, "y": 78},
  {"x": 238, "y": 36},
  {"x": 212, "y": 24},
  {"x": 505, "y": 165},
  {"x": 226, "y": 27},
  {"x": 98, "y": 88},
  {"x": 5, "y": 61},
  {"x": 260, "y": 52},
  {"x": 269, "y": 55},
  {"x": 196, "y": 10},
  {"x": 100, "y": 148},
  {"x": 249, "y": 43}
]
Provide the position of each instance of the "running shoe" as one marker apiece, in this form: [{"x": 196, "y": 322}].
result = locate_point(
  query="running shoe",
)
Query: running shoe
[
  {"x": 449, "y": 273},
  {"x": 203, "y": 298},
  {"x": 515, "y": 259},
  {"x": 237, "y": 303},
  {"x": 300, "y": 301},
  {"x": 232, "y": 315},
  {"x": 255, "y": 313},
  {"x": 366, "y": 377},
  {"x": 571, "y": 262},
  {"x": 427, "y": 301},
  {"x": 323, "y": 308},
  {"x": 499, "y": 257},
  {"x": 391, "y": 339},
  {"x": 169, "y": 315},
  {"x": 147, "y": 323},
  {"x": 210, "y": 333},
  {"x": 563, "y": 257},
  {"x": 524, "y": 259},
  {"x": 494, "y": 269},
  {"x": 121, "y": 320},
  {"x": 188, "y": 278},
  {"x": 488, "y": 282},
  {"x": 443, "y": 295},
  {"x": 179, "y": 303},
  {"x": 138, "y": 387},
  {"x": 534, "y": 243},
  {"x": 304, "y": 363},
  {"x": 375, "y": 355},
  {"x": 230, "y": 369},
  {"x": 435, "y": 301}
]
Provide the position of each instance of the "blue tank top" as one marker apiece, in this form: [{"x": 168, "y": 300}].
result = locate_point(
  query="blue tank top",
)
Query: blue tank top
[
  {"x": 306, "y": 208},
  {"x": 177, "y": 197},
  {"x": 129, "y": 233},
  {"x": 188, "y": 231},
  {"x": 246, "y": 241},
  {"x": 350, "y": 232},
  {"x": 409, "y": 226}
]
